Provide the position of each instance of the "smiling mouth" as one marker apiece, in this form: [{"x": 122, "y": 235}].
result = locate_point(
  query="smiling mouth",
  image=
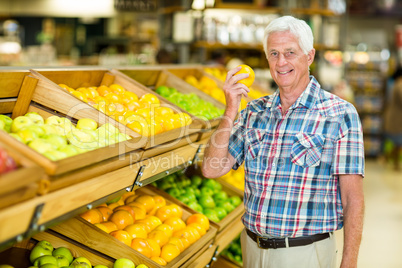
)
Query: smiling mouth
[{"x": 285, "y": 72}]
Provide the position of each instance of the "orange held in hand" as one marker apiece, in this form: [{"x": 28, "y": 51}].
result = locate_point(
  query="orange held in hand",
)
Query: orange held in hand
[{"x": 251, "y": 76}]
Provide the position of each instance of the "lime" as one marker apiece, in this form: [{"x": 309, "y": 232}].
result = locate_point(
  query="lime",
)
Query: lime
[
  {"x": 211, "y": 214},
  {"x": 227, "y": 205},
  {"x": 184, "y": 199},
  {"x": 220, "y": 212},
  {"x": 175, "y": 192},
  {"x": 206, "y": 201},
  {"x": 220, "y": 196},
  {"x": 213, "y": 184},
  {"x": 235, "y": 200},
  {"x": 164, "y": 91},
  {"x": 206, "y": 191},
  {"x": 196, "y": 180},
  {"x": 197, "y": 193},
  {"x": 195, "y": 206},
  {"x": 164, "y": 185}
]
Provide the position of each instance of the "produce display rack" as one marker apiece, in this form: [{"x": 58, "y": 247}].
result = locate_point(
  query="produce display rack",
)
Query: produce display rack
[{"x": 61, "y": 190}]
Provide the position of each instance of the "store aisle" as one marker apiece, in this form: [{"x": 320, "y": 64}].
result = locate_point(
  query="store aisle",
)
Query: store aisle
[{"x": 382, "y": 235}]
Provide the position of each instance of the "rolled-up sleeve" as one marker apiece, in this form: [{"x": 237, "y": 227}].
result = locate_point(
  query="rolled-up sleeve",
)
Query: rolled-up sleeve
[
  {"x": 236, "y": 141},
  {"x": 349, "y": 148}
]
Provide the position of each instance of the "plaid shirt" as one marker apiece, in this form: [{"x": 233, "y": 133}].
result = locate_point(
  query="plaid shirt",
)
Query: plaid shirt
[{"x": 292, "y": 162}]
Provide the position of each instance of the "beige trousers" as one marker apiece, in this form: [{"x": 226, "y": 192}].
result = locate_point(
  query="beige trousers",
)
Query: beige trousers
[{"x": 321, "y": 254}]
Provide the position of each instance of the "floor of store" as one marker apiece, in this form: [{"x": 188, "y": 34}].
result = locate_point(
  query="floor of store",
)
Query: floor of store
[{"x": 381, "y": 244}]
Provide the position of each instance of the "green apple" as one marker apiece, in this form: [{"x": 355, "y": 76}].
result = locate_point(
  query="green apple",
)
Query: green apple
[
  {"x": 82, "y": 139},
  {"x": 56, "y": 140},
  {"x": 123, "y": 263},
  {"x": 6, "y": 266},
  {"x": 142, "y": 266},
  {"x": 81, "y": 136},
  {"x": 27, "y": 135},
  {"x": 42, "y": 248},
  {"x": 121, "y": 137},
  {"x": 34, "y": 128},
  {"x": 15, "y": 136},
  {"x": 65, "y": 125},
  {"x": 64, "y": 252},
  {"x": 109, "y": 128},
  {"x": 41, "y": 145},
  {"x": 44, "y": 260},
  {"x": 7, "y": 122},
  {"x": 20, "y": 122},
  {"x": 81, "y": 262},
  {"x": 36, "y": 118},
  {"x": 98, "y": 266},
  {"x": 62, "y": 260},
  {"x": 55, "y": 155},
  {"x": 87, "y": 123},
  {"x": 2, "y": 125},
  {"x": 49, "y": 129},
  {"x": 49, "y": 265},
  {"x": 69, "y": 150}
]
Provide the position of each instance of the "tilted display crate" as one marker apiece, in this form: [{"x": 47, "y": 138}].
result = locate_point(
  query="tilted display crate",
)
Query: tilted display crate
[
  {"x": 48, "y": 88},
  {"x": 153, "y": 78},
  {"x": 93, "y": 237},
  {"x": 37, "y": 95}
]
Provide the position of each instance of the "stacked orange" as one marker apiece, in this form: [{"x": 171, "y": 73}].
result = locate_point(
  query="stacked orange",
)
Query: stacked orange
[
  {"x": 144, "y": 115},
  {"x": 149, "y": 225}
]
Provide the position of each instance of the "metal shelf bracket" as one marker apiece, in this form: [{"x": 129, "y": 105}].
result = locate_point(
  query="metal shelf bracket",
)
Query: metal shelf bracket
[{"x": 136, "y": 181}]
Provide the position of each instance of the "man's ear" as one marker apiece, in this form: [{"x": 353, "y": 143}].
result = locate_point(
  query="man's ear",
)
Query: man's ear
[{"x": 310, "y": 56}]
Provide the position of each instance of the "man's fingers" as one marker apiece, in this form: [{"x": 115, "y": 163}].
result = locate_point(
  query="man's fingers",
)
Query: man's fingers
[{"x": 230, "y": 74}]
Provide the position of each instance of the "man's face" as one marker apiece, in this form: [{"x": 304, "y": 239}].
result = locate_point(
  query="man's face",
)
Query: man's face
[{"x": 287, "y": 62}]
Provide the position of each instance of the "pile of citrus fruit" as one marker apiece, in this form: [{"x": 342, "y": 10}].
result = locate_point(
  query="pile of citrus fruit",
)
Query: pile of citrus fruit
[
  {"x": 235, "y": 177},
  {"x": 203, "y": 195},
  {"x": 149, "y": 225},
  {"x": 145, "y": 115}
]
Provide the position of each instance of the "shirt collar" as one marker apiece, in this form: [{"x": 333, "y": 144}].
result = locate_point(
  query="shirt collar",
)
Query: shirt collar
[{"x": 307, "y": 98}]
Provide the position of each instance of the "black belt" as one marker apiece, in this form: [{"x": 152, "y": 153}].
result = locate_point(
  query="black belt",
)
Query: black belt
[{"x": 265, "y": 243}]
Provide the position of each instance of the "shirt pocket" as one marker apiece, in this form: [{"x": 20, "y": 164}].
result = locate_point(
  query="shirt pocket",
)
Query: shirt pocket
[
  {"x": 253, "y": 142},
  {"x": 307, "y": 149}
]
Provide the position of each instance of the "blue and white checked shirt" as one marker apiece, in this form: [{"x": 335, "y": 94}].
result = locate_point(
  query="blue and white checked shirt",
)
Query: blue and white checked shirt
[{"x": 292, "y": 162}]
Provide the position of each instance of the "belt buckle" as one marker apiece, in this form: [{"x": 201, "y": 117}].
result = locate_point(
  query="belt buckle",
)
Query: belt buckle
[
  {"x": 259, "y": 245},
  {"x": 258, "y": 241}
]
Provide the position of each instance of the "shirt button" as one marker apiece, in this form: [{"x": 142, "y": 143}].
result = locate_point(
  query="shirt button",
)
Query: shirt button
[{"x": 273, "y": 164}]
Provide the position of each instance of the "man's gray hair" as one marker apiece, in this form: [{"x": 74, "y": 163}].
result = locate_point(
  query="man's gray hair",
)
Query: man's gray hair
[{"x": 297, "y": 27}]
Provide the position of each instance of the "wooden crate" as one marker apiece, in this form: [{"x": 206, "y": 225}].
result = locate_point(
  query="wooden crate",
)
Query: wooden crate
[
  {"x": 223, "y": 262},
  {"x": 18, "y": 254},
  {"x": 23, "y": 183},
  {"x": 69, "y": 164},
  {"x": 153, "y": 78},
  {"x": 88, "y": 235},
  {"x": 11, "y": 82},
  {"x": 224, "y": 223},
  {"x": 27, "y": 93},
  {"x": 48, "y": 84}
]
